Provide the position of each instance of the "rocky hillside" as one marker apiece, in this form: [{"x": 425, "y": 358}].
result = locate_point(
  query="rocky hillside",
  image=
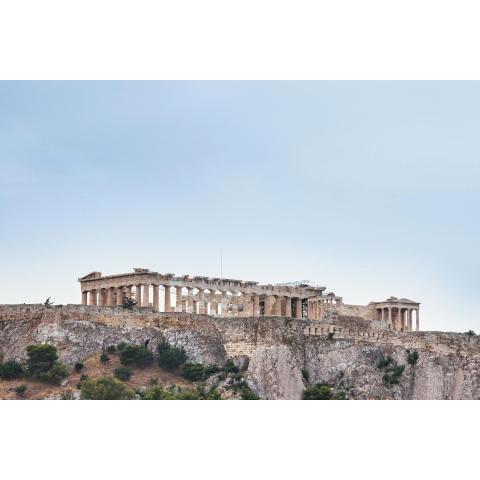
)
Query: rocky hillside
[{"x": 281, "y": 360}]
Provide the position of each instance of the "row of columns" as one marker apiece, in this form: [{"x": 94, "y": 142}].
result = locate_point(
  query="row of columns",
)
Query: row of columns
[
  {"x": 400, "y": 319},
  {"x": 202, "y": 302},
  {"x": 318, "y": 307}
]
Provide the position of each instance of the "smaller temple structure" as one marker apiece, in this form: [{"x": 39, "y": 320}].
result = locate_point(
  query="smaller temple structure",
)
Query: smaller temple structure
[{"x": 399, "y": 313}]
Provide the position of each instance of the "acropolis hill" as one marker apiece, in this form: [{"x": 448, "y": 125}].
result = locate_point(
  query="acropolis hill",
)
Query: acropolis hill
[{"x": 284, "y": 337}]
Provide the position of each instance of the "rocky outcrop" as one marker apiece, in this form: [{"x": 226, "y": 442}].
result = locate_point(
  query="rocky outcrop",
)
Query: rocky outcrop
[
  {"x": 272, "y": 351},
  {"x": 274, "y": 373}
]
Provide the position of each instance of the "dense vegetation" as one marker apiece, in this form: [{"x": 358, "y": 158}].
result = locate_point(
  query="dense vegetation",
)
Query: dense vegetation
[
  {"x": 393, "y": 371},
  {"x": 123, "y": 373},
  {"x": 170, "y": 357},
  {"x": 105, "y": 388},
  {"x": 136, "y": 355},
  {"x": 322, "y": 391},
  {"x": 11, "y": 369},
  {"x": 42, "y": 364}
]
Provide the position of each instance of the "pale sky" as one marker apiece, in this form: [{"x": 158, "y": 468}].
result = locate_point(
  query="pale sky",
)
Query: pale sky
[{"x": 369, "y": 188}]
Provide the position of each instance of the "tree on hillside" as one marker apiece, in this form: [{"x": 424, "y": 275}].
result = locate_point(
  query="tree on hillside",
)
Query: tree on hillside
[{"x": 105, "y": 388}]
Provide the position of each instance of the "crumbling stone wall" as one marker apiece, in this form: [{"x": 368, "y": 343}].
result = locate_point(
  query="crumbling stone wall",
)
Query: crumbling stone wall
[{"x": 367, "y": 312}]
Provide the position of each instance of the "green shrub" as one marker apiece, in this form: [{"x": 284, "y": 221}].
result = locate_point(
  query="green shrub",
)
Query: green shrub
[
  {"x": 153, "y": 381},
  {"x": 392, "y": 375},
  {"x": 79, "y": 366},
  {"x": 129, "y": 303},
  {"x": 318, "y": 392},
  {"x": 105, "y": 388},
  {"x": 55, "y": 375},
  {"x": 246, "y": 393},
  {"x": 111, "y": 349},
  {"x": 412, "y": 357},
  {"x": 230, "y": 367},
  {"x": 211, "y": 370},
  {"x": 193, "y": 371},
  {"x": 123, "y": 373},
  {"x": 471, "y": 333},
  {"x": 136, "y": 355},
  {"x": 305, "y": 374},
  {"x": 121, "y": 346},
  {"x": 214, "y": 394},
  {"x": 10, "y": 370},
  {"x": 154, "y": 393},
  {"x": 104, "y": 358},
  {"x": 40, "y": 358},
  {"x": 169, "y": 357},
  {"x": 188, "y": 394},
  {"x": 21, "y": 390},
  {"x": 383, "y": 362}
]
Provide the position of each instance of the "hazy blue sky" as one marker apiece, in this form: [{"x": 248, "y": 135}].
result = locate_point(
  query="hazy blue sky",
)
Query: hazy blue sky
[{"x": 371, "y": 188}]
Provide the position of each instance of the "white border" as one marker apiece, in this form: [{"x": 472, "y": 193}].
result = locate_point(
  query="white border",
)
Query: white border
[
  {"x": 235, "y": 440},
  {"x": 251, "y": 39}
]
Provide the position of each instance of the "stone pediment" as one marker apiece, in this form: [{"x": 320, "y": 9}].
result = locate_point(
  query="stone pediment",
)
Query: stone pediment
[
  {"x": 92, "y": 276},
  {"x": 406, "y": 300}
]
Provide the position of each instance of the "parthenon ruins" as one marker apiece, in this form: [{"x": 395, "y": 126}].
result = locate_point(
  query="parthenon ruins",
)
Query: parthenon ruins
[{"x": 233, "y": 298}]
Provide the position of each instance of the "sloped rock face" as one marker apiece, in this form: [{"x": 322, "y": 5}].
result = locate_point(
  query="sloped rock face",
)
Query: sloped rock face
[
  {"x": 448, "y": 365},
  {"x": 77, "y": 339},
  {"x": 274, "y": 373},
  {"x": 353, "y": 366}
]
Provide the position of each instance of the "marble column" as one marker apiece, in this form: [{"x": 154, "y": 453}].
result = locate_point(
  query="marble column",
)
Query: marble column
[
  {"x": 156, "y": 298},
  {"x": 138, "y": 295},
  {"x": 178, "y": 299},
  {"x": 110, "y": 297},
  {"x": 93, "y": 297},
  {"x": 277, "y": 306},
  {"x": 84, "y": 298},
  {"x": 200, "y": 309},
  {"x": 418, "y": 319},
  {"x": 247, "y": 305},
  {"x": 224, "y": 304},
  {"x": 168, "y": 300},
  {"x": 213, "y": 303},
  {"x": 409, "y": 320},
  {"x": 146, "y": 295},
  {"x": 186, "y": 299},
  {"x": 390, "y": 317},
  {"x": 256, "y": 305},
  {"x": 269, "y": 301},
  {"x": 288, "y": 307},
  {"x": 101, "y": 297},
  {"x": 298, "y": 308},
  {"x": 119, "y": 296}
]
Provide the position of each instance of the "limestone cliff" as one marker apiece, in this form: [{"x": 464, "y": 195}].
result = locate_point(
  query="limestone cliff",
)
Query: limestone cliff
[{"x": 448, "y": 365}]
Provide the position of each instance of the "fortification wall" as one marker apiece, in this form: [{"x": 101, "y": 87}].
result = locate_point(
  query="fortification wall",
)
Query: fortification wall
[{"x": 225, "y": 336}]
